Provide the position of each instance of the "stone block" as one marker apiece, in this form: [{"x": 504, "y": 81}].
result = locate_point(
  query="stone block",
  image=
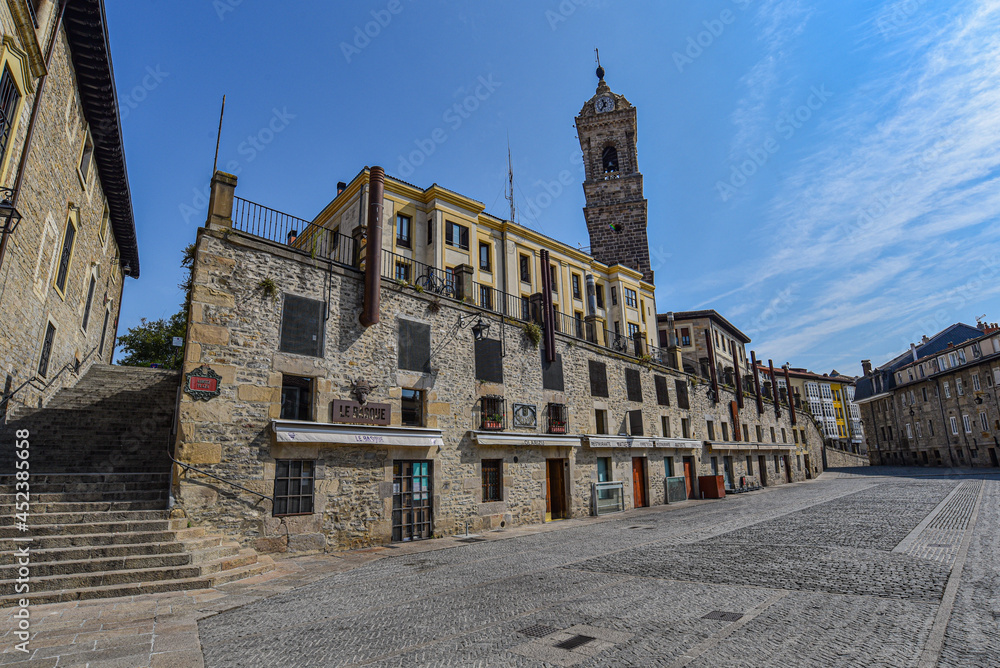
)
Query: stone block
[
  {"x": 216, "y": 263},
  {"x": 310, "y": 542},
  {"x": 193, "y": 353},
  {"x": 271, "y": 545},
  {"x": 214, "y": 410},
  {"x": 195, "y": 495},
  {"x": 209, "y": 334},
  {"x": 207, "y": 295},
  {"x": 471, "y": 483},
  {"x": 258, "y": 393},
  {"x": 226, "y": 371},
  {"x": 294, "y": 365},
  {"x": 438, "y": 408},
  {"x": 200, "y": 453}
]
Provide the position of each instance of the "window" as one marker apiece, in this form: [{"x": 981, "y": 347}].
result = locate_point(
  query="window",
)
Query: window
[
  {"x": 975, "y": 382},
  {"x": 430, "y": 231},
  {"x": 558, "y": 417},
  {"x": 90, "y": 301},
  {"x": 403, "y": 230},
  {"x": 967, "y": 423},
  {"x": 711, "y": 429},
  {"x": 604, "y": 469},
  {"x": 803, "y": 437},
  {"x": 411, "y": 408},
  {"x": 913, "y": 399},
  {"x": 777, "y": 463},
  {"x": 302, "y": 323},
  {"x": 86, "y": 157},
  {"x": 773, "y": 439},
  {"x": 668, "y": 466},
  {"x": 492, "y": 480},
  {"x": 917, "y": 425},
  {"x": 47, "y": 340},
  {"x": 598, "y": 379},
  {"x": 104, "y": 333},
  {"x": 795, "y": 435},
  {"x": 576, "y": 286},
  {"x": 784, "y": 436},
  {"x": 484, "y": 256},
  {"x": 685, "y": 336},
  {"x": 10, "y": 98},
  {"x": 293, "y": 486},
  {"x": 961, "y": 355},
  {"x": 958, "y": 387},
  {"x": 493, "y": 413},
  {"x": 725, "y": 431},
  {"x": 930, "y": 427},
  {"x": 947, "y": 390},
  {"x": 923, "y": 393},
  {"x": 746, "y": 433},
  {"x": 69, "y": 236},
  {"x": 614, "y": 296},
  {"x": 601, "y": 418},
  {"x": 599, "y": 293},
  {"x": 525, "y": 308},
  {"x": 665, "y": 425},
  {"x": 403, "y": 271},
  {"x": 414, "y": 346},
  {"x": 909, "y": 431},
  {"x": 685, "y": 428},
  {"x": 524, "y": 264},
  {"x": 554, "y": 272},
  {"x": 296, "y": 398},
  {"x": 449, "y": 278},
  {"x": 984, "y": 422},
  {"x": 630, "y": 298},
  {"x": 456, "y": 235},
  {"x": 486, "y": 297},
  {"x": 954, "y": 425},
  {"x": 105, "y": 222},
  {"x": 681, "y": 390},
  {"x": 609, "y": 159},
  {"x": 635, "y": 423},
  {"x": 633, "y": 385},
  {"x": 662, "y": 394}
]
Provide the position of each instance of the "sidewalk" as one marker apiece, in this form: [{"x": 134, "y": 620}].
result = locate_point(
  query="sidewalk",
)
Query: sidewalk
[{"x": 161, "y": 630}]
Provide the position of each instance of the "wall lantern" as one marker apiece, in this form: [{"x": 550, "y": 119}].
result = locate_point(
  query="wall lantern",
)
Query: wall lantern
[{"x": 9, "y": 215}]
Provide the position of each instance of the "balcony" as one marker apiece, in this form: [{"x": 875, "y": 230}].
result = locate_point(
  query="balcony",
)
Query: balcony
[
  {"x": 493, "y": 413},
  {"x": 557, "y": 418}
]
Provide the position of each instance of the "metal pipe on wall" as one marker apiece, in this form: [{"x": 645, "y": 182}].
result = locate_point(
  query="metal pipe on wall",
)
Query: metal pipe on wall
[
  {"x": 373, "y": 250},
  {"x": 756, "y": 383},
  {"x": 548, "y": 316},
  {"x": 711, "y": 366}
]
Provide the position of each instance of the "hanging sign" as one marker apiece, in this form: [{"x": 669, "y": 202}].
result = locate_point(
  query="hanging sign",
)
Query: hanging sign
[{"x": 203, "y": 383}]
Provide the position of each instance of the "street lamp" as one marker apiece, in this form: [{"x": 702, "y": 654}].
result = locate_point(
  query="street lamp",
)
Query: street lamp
[{"x": 9, "y": 215}]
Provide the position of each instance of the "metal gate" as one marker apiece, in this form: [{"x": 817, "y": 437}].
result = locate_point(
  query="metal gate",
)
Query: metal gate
[{"x": 412, "y": 495}]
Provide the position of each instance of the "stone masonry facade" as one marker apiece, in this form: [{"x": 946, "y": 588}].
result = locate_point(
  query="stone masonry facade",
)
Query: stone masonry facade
[{"x": 241, "y": 285}]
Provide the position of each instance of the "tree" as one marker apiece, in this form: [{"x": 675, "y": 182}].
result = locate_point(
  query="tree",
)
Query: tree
[{"x": 152, "y": 342}]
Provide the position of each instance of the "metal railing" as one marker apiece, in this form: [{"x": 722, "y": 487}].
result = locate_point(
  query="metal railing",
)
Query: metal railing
[
  {"x": 297, "y": 233},
  {"x": 423, "y": 277}
]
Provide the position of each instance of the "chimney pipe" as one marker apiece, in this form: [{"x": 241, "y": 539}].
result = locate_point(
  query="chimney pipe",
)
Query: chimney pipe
[
  {"x": 756, "y": 383},
  {"x": 341, "y": 187},
  {"x": 591, "y": 295},
  {"x": 774, "y": 390},
  {"x": 738, "y": 379},
  {"x": 913, "y": 351},
  {"x": 866, "y": 367},
  {"x": 548, "y": 312},
  {"x": 711, "y": 365},
  {"x": 373, "y": 250},
  {"x": 788, "y": 394}
]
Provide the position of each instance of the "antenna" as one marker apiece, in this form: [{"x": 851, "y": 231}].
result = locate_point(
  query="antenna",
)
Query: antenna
[
  {"x": 218, "y": 137},
  {"x": 598, "y": 55},
  {"x": 510, "y": 180}
]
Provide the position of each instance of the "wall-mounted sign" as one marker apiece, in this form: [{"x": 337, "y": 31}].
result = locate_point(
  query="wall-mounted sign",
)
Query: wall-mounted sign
[
  {"x": 202, "y": 383},
  {"x": 353, "y": 412},
  {"x": 525, "y": 415}
]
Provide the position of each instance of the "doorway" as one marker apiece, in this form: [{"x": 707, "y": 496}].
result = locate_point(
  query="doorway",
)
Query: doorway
[
  {"x": 555, "y": 489},
  {"x": 788, "y": 468},
  {"x": 411, "y": 500},
  {"x": 727, "y": 471},
  {"x": 993, "y": 457},
  {"x": 639, "y": 482},
  {"x": 809, "y": 474},
  {"x": 689, "y": 476},
  {"x": 762, "y": 465}
]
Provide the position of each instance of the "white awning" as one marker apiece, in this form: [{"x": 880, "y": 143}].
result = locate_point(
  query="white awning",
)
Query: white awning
[
  {"x": 788, "y": 447},
  {"x": 731, "y": 445},
  {"x": 298, "y": 431},
  {"x": 603, "y": 441},
  {"x": 524, "y": 440}
]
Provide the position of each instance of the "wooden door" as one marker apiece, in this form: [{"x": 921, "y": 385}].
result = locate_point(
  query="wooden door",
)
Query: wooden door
[
  {"x": 639, "y": 482},
  {"x": 689, "y": 477},
  {"x": 809, "y": 474},
  {"x": 788, "y": 469},
  {"x": 555, "y": 489},
  {"x": 762, "y": 465}
]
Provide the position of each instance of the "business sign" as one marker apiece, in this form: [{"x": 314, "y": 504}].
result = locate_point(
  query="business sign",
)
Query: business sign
[
  {"x": 202, "y": 383},
  {"x": 525, "y": 416},
  {"x": 352, "y": 412}
]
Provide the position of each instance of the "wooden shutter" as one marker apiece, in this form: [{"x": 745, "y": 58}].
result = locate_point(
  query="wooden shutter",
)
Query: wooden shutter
[
  {"x": 489, "y": 363},
  {"x": 414, "y": 346},
  {"x": 633, "y": 385},
  {"x": 552, "y": 373},
  {"x": 682, "y": 394},
  {"x": 662, "y": 393},
  {"x": 302, "y": 325},
  {"x": 598, "y": 379}
]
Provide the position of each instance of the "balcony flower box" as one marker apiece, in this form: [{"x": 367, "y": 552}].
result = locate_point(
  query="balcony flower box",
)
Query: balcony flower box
[
  {"x": 557, "y": 428},
  {"x": 493, "y": 423}
]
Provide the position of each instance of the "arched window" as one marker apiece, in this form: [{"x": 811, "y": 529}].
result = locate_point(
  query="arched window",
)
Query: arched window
[{"x": 610, "y": 159}]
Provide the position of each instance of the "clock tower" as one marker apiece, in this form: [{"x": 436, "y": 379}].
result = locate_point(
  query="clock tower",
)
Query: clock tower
[{"x": 616, "y": 209}]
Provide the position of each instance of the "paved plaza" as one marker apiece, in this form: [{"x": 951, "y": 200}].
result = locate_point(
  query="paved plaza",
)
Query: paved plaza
[{"x": 873, "y": 567}]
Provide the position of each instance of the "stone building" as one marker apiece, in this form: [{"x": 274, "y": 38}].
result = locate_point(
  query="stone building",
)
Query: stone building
[
  {"x": 359, "y": 393},
  {"x": 937, "y": 403},
  {"x": 692, "y": 332},
  {"x": 62, "y": 167}
]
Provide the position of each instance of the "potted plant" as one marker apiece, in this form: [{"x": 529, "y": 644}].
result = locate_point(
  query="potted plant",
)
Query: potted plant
[{"x": 493, "y": 422}]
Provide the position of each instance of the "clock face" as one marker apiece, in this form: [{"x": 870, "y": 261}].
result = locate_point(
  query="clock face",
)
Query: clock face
[{"x": 604, "y": 104}]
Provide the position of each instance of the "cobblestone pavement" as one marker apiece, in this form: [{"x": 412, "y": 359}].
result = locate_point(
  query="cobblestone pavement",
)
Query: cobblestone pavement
[{"x": 848, "y": 570}]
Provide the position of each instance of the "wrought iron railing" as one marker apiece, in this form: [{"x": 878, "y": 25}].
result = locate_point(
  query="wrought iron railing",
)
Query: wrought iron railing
[
  {"x": 423, "y": 277},
  {"x": 493, "y": 413},
  {"x": 557, "y": 416}
]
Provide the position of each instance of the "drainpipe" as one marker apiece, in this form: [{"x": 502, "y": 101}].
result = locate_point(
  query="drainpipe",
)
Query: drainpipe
[
  {"x": 756, "y": 383},
  {"x": 548, "y": 317},
  {"x": 738, "y": 377},
  {"x": 373, "y": 252},
  {"x": 791, "y": 402},
  {"x": 711, "y": 365},
  {"x": 591, "y": 295},
  {"x": 774, "y": 390},
  {"x": 31, "y": 125}
]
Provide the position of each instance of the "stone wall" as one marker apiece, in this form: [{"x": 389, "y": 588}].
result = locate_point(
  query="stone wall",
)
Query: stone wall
[
  {"x": 234, "y": 328},
  {"x": 836, "y": 458},
  {"x": 53, "y": 190}
]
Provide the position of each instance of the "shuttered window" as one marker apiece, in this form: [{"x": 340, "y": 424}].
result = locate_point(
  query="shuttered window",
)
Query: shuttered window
[
  {"x": 635, "y": 423},
  {"x": 9, "y": 98},
  {"x": 489, "y": 362},
  {"x": 662, "y": 394},
  {"x": 552, "y": 374},
  {"x": 302, "y": 326},
  {"x": 414, "y": 346},
  {"x": 598, "y": 379},
  {"x": 633, "y": 385},
  {"x": 682, "y": 394}
]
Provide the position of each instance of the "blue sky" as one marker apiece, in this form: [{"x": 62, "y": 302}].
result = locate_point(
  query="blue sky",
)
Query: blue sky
[{"x": 824, "y": 174}]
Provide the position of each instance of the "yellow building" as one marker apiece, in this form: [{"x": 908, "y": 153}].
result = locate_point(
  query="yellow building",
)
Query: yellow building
[{"x": 437, "y": 239}]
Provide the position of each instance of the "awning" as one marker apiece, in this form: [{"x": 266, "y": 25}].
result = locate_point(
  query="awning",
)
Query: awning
[
  {"x": 524, "y": 440},
  {"x": 787, "y": 447},
  {"x": 602, "y": 441},
  {"x": 298, "y": 431},
  {"x": 731, "y": 445}
]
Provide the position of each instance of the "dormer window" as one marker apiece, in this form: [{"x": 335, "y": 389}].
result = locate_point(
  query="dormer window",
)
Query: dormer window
[{"x": 609, "y": 159}]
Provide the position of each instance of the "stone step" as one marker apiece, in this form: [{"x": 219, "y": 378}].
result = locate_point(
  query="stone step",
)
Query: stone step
[
  {"x": 37, "y": 520},
  {"x": 88, "y": 497},
  {"x": 225, "y": 551},
  {"x": 123, "y": 477},
  {"x": 113, "y": 577},
  {"x": 82, "y": 540},
  {"x": 60, "y": 507},
  {"x": 263, "y": 565},
  {"x": 84, "y": 567},
  {"x": 49, "y": 555},
  {"x": 96, "y": 527}
]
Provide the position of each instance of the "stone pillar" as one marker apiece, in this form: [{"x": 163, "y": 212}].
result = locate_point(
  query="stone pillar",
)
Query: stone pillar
[
  {"x": 466, "y": 284},
  {"x": 536, "y": 308},
  {"x": 360, "y": 246},
  {"x": 220, "y": 201},
  {"x": 593, "y": 326}
]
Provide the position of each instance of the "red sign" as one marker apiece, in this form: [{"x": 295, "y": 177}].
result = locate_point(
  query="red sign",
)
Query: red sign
[{"x": 203, "y": 384}]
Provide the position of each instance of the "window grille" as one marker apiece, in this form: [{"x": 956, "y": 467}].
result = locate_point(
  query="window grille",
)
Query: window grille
[
  {"x": 557, "y": 418},
  {"x": 293, "y": 487},
  {"x": 493, "y": 413},
  {"x": 492, "y": 480}
]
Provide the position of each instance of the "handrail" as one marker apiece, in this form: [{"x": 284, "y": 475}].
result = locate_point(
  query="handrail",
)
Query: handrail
[
  {"x": 212, "y": 475},
  {"x": 7, "y": 397}
]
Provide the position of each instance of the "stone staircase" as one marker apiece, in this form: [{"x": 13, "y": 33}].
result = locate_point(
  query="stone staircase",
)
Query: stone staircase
[{"x": 99, "y": 486}]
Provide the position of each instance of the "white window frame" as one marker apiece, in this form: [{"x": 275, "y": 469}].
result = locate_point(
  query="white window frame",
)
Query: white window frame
[
  {"x": 975, "y": 382},
  {"x": 958, "y": 387},
  {"x": 984, "y": 422},
  {"x": 967, "y": 424},
  {"x": 954, "y": 425},
  {"x": 947, "y": 391}
]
